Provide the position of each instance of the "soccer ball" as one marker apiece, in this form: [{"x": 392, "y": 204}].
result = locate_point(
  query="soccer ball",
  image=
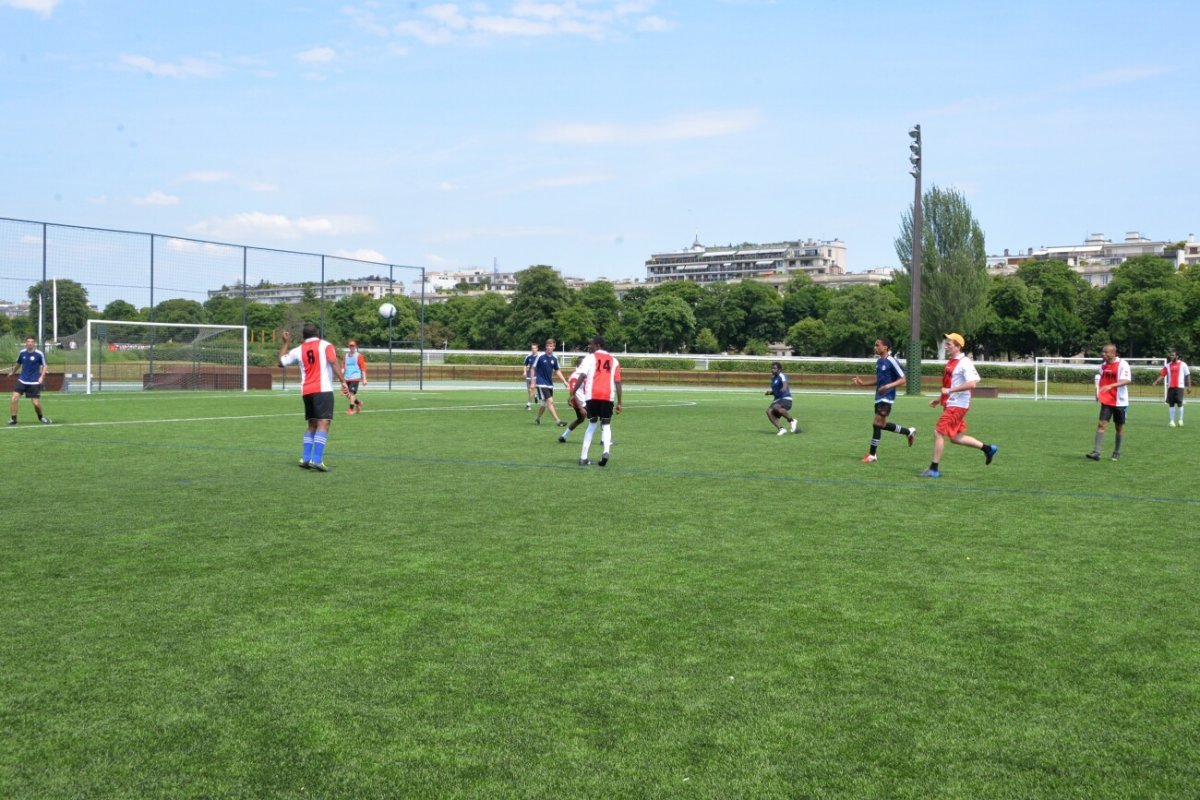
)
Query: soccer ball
[{"x": 387, "y": 311}]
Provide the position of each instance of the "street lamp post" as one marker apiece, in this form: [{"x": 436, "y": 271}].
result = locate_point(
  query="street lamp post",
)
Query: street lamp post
[{"x": 914, "y": 336}]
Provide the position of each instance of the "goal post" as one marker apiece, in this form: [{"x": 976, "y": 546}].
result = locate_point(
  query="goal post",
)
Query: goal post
[
  {"x": 161, "y": 355},
  {"x": 1063, "y": 378}
]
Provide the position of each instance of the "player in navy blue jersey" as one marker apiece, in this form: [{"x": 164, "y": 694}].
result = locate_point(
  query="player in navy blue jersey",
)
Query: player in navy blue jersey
[
  {"x": 530, "y": 360},
  {"x": 545, "y": 370},
  {"x": 888, "y": 375},
  {"x": 32, "y": 363},
  {"x": 782, "y": 404}
]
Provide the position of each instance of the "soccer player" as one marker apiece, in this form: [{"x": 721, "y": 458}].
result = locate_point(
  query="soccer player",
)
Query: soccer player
[
  {"x": 958, "y": 379},
  {"x": 1179, "y": 378},
  {"x": 545, "y": 369},
  {"x": 888, "y": 375},
  {"x": 530, "y": 360},
  {"x": 578, "y": 402},
  {"x": 1112, "y": 382},
  {"x": 782, "y": 404},
  {"x": 318, "y": 366},
  {"x": 32, "y": 363},
  {"x": 600, "y": 375},
  {"x": 354, "y": 368}
]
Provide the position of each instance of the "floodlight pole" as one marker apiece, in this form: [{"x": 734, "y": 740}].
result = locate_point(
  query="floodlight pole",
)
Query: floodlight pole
[{"x": 914, "y": 336}]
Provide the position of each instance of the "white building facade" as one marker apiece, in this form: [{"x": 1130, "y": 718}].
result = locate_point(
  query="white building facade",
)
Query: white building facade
[{"x": 702, "y": 264}]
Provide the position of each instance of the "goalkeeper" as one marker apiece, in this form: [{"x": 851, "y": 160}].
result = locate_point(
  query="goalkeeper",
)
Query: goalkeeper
[{"x": 355, "y": 370}]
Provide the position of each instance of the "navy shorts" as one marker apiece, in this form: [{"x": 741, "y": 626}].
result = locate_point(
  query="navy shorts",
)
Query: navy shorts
[
  {"x": 883, "y": 409},
  {"x": 318, "y": 405},
  {"x": 544, "y": 393},
  {"x": 1115, "y": 413},
  {"x": 31, "y": 390},
  {"x": 785, "y": 404}
]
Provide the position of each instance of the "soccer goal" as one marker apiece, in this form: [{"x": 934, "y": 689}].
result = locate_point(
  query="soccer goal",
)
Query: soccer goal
[
  {"x": 119, "y": 355},
  {"x": 1056, "y": 378}
]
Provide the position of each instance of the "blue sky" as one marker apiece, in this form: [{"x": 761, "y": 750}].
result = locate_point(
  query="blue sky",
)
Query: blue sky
[{"x": 590, "y": 134}]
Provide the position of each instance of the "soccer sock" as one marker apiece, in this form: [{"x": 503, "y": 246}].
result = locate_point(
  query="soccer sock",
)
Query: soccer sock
[
  {"x": 567, "y": 433},
  {"x": 308, "y": 446},
  {"x": 587, "y": 439},
  {"x": 1099, "y": 441},
  {"x": 1120, "y": 438},
  {"x": 1181, "y": 415},
  {"x": 875, "y": 438},
  {"x": 933, "y": 465},
  {"x": 984, "y": 446},
  {"x": 606, "y": 436},
  {"x": 318, "y": 449},
  {"x": 1171, "y": 410}
]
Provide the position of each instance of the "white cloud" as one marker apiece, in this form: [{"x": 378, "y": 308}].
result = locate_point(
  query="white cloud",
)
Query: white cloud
[
  {"x": 708, "y": 125},
  {"x": 362, "y": 254},
  {"x": 43, "y": 7},
  {"x": 262, "y": 186},
  {"x": 156, "y": 198},
  {"x": 446, "y": 23},
  {"x": 187, "y": 68},
  {"x": 317, "y": 55},
  {"x": 279, "y": 226}
]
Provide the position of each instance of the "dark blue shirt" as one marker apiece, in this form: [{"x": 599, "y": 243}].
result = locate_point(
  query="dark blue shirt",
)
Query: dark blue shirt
[
  {"x": 31, "y": 362},
  {"x": 780, "y": 388},
  {"x": 887, "y": 369},
  {"x": 544, "y": 369}
]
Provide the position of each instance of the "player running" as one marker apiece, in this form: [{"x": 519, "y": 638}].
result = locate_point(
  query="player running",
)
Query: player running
[
  {"x": 600, "y": 375},
  {"x": 354, "y": 368},
  {"x": 782, "y": 404},
  {"x": 958, "y": 379},
  {"x": 888, "y": 375}
]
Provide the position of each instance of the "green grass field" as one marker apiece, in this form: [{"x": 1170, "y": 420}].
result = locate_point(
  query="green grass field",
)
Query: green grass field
[{"x": 460, "y": 610}]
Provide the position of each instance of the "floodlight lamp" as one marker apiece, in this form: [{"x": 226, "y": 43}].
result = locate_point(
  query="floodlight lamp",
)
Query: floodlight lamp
[
  {"x": 915, "y": 132},
  {"x": 914, "y": 159},
  {"x": 916, "y": 173},
  {"x": 915, "y": 148}
]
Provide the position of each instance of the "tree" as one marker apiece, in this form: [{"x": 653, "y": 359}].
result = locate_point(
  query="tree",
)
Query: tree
[
  {"x": 1065, "y": 304},
  {"x": 809, "y": 337},
  {"x": 719, "y": 312},
  {"x": 539, "y": 296},
  {"x": 485, "y": 329},
  {"x": 122, "y": 310},
  {"x": 632, "y": 306},
  {"x": 667, "y": 324},
  {"x": 600, "y": 299},
  {"x": 706, "y": 342},
  {"x": 858, "y": 315},
  {"x": 1139, "y": 274},
  {"x": 954, "y": 279},
  {"x": 575, "y": 327},
  {"x": 1149, "y": 322},
  {"x": 803, "y": 299},
  {"x": 73, "y": 311},
  {"x": 178, "y": 309},
  {"x": 1011, "y": 325},
  {"x": 763, "y": 309}
]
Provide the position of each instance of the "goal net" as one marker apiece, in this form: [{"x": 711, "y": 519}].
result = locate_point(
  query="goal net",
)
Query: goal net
[
  {"x": 1075, "y": 378},
  {"x": 115, "y": 355}
]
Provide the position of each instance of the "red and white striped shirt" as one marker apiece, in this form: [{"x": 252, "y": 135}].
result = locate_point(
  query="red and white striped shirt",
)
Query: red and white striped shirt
[
  {"x": 316, "y": 358},
  {"x": 1175, "y": 371}
]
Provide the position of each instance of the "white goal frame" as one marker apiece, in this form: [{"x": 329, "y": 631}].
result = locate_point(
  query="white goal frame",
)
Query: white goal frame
[
  {"x": 1043, "y": 364},
  {"x": 137, "y": 324}
]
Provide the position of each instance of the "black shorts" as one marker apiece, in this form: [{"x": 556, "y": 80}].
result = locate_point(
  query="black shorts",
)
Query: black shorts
[
  {"x": 599, "y": 410},
  {"x": 882, "y": 409},
  {"x": 1115, "y": 413},
  {"x": 545, "y": 392},
  {"x": 318, "y": 405},
  {"x": 31, "y": 390},
  {"x": 785, "y": 403},
  {"x": 1175, "y": 396},
  {"x": 352, "y": 386}
]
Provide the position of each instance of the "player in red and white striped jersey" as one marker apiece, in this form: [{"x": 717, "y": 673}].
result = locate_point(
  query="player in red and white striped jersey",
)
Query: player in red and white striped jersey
[
  {"x": 319, "y": 366},
  {"x": 1112, "y": 390},
  {"x": 600, "y": 375},
  {"x": 1179, "y": 379}
]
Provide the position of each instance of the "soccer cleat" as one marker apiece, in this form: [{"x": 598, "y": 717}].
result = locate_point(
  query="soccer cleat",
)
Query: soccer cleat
[
  {"x": 1172, "y": 425},
  {"x": 912, "y": 436},
  {"x": 794, "y": 424},
  {"x": 318, "y": 466},
  {"x": 990, "y": 453},
  {"x": 583, "y": 462},
  {"x": 350, "y": 411},
  {"x": 537, "y": 420},
  {"x": 1116, "y": 456},
  {"x": 1181, "y": 423},
  {"x": 869, "y": 459},
  {"x": 304, "y": 465},
  {"x": 782, "y": 432},
  {"x": 561, "y": 424},
  {"x": 11, "y": 422},
  {"x": 528, "y": 407},
  {"x": 563, "y": 439},
  {"x": 1094, "y": 456},
  {"x": 604, "y": 458},
  {"x": 930, "y": 473},
  {"x": 46, "y": 421}
]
